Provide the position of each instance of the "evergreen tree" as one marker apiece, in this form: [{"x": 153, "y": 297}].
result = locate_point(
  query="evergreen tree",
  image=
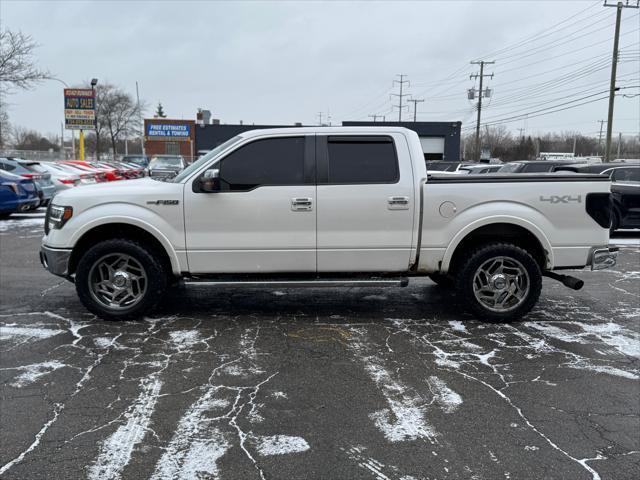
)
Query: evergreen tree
[{"x": 160, "y": 111}]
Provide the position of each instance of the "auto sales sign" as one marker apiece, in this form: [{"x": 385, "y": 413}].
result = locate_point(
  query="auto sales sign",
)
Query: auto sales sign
[{"x": 79, "y": 108}]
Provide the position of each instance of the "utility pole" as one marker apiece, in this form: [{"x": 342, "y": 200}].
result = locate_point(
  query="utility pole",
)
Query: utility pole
[
  {"x": 320, "y": 118},
  {"x": 141, "y": 120},
  {"x": 481, "y": 93},
  {"x": 619, "y": 143},
  {"x": 575, "y": 142},
  {"x": 415, "y": 101},
  {"x": 614, "y": 64},
  {"x": 400, "y": 95},
  {"x": 376, "y": 117},
  {"x": 602, "y": 122},
  {"x": 521, "y": 130}
]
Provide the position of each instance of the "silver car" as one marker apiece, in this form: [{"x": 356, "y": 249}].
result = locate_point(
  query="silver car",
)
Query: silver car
[
  {"x": 165, "y": 166},
  {"x": 62, "y": 179}
]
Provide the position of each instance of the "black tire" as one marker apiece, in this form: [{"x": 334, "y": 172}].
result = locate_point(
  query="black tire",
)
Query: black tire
[
  {"x": 156, "y": 274},
  {"x": 480, "y": 257},
  {"x": 443, "y": 281}
]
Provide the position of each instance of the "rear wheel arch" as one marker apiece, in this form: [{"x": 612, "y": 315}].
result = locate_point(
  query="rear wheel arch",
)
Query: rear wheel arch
[
  {"x": 127, "y": 231},
  {"x": 503, "y": 232}
]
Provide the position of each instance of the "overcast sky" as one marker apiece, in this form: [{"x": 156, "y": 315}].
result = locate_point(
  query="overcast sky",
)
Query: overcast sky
[{"x": 283, "y": 62}]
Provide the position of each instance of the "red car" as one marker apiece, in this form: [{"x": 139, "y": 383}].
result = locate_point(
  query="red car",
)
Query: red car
[{"x": 87, "y": 168}]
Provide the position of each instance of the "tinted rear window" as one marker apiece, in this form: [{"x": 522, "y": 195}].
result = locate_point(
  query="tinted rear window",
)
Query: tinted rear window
[{"x": 362, "y": 160}]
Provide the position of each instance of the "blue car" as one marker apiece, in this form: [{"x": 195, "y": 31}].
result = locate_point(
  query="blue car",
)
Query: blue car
[
  {"x": 17, "y": 194},
  {"x": 34, "y": 171}
]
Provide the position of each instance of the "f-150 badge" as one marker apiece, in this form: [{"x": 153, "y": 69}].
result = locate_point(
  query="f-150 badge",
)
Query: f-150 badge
[{"x": 163, "y": 202}]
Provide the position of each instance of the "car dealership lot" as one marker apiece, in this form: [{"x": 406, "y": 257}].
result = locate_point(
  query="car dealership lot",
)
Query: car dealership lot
[{"x": 317, "y": 383}]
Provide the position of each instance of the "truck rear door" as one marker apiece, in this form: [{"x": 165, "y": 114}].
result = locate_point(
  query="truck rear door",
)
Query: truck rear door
[{"x": 365, "y": 201}]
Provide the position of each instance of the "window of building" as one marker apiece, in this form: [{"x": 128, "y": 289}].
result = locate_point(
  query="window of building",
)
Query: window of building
[
  {"x": 362, "y": 160},
  {"x": 272, "y": 161},
  {"x": 172, "y": 148}
]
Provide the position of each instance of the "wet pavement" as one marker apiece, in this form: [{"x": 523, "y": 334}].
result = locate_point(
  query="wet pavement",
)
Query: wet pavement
[{"x": 363, "y": 383}]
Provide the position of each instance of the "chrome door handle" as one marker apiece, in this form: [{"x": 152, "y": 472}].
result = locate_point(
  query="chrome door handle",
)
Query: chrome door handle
[
  {"x": 301, "y": 204},
  {"x": 398, "y": 203}
]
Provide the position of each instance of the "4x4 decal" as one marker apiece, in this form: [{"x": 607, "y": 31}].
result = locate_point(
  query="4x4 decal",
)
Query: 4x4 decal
[{"x": 561, "y": 198}]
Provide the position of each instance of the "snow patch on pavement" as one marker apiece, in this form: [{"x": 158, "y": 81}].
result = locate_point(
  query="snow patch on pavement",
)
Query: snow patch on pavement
[
  {"x": 447, "y": 398},
  {"x": 10, "y": 331},
  {"x": 458, "y": 326},
  {"x": 280, "y": 444},
  {"x": 31, "y": 373},
  {"x": 197, "y": 444},
  {"x": 116, "y": 451},
  {"x": 404, "y": 419}
]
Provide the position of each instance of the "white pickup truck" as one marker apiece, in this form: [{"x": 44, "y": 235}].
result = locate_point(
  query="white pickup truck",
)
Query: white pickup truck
[{"x": 343, "y": 206}]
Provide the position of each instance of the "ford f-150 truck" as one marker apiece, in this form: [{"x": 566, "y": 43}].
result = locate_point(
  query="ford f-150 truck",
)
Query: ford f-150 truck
[{"x": 350, "y": 206}]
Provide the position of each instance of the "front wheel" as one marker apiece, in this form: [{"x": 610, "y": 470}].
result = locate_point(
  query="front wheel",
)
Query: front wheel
[
  {"x": 500, "y": 282},
  {"x": 120, "y": 279}
]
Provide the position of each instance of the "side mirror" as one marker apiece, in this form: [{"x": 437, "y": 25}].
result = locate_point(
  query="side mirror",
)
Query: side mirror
[{"x": 210, "y": 181}]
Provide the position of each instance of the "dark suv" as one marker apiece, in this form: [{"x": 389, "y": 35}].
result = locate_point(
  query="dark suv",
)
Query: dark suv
[{"x": 625, "y": 190}]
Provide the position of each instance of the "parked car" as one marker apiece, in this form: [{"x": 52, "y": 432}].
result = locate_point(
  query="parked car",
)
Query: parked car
[
  {"x": 32, "y": 170},
  {"x": 534, "y": 166},
  {"x": 17, "y": 194},
  {"x": 86, "y": 178},
  {"x": 480, "y": 169},
  {"x": 142, "y": 160},
  {"x": 165, "y": 166},
  {"x": 341, "y": 206},
  {"x": 111, "y": 173},
  {"x": 83, "y": 166},
  {"x": 62, "y": 179},
  {"x": 625, "y": 190},
  {"x": 136, "y": 170}
]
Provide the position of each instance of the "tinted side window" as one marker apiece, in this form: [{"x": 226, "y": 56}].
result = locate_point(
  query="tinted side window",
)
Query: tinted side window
[
  {"x": 362, "y": 160},
  {"x": 272, "y": 161},
  {"x": 7, "y": 166}
]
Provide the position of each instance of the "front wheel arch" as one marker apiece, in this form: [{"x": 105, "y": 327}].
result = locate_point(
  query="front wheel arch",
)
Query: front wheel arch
[{"x": 118, "y": 230}]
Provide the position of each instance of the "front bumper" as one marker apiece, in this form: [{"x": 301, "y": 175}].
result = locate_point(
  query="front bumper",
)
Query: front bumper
[
  {"x": 603, "y": 257},
  {"x": 56, "y": 260}
]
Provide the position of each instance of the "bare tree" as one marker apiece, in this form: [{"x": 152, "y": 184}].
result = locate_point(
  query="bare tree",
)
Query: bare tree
[
  {"x": 17, "y": 66},
  {"x": 118, "y": 115}
]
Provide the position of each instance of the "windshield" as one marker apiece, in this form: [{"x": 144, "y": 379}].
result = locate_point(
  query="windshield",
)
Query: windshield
[
  {"x": 201, "y": 161},
  {"x": 165, "y": 162}
]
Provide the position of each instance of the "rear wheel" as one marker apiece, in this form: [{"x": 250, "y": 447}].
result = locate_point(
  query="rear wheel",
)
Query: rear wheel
[
  {"x": 120, "y": 279},
  {"x": 500, "y": 282}
]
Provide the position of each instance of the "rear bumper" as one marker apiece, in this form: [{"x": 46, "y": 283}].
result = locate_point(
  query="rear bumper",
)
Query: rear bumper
[
  {"x": 56, "y": 260},
  {"x": 603, "y": 257}
]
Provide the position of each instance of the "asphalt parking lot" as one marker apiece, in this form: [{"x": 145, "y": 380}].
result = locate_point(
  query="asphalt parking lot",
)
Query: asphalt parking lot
[{"x": 317, "y": 383}]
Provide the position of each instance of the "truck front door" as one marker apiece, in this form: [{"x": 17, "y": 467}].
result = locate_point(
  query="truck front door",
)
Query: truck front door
[
  {"x": 365, "y": 203},
  {"x": 263, "y": 219}
]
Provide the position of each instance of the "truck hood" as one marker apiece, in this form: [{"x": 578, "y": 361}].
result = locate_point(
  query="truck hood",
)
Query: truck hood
[{"x": 142, "y": 191}]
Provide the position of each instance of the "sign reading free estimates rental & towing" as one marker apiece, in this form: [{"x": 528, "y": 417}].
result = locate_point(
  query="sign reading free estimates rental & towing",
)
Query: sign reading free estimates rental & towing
[
  {"x": 168, "y": 131},
  {"x": 79, "y": 108}
]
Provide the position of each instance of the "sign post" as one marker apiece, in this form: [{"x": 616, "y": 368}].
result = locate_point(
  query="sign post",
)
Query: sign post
[{"x": 80, "y": 112}]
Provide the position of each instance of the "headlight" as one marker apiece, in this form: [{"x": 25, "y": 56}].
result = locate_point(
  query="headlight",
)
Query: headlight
[{"x": 58, "y": 216}]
